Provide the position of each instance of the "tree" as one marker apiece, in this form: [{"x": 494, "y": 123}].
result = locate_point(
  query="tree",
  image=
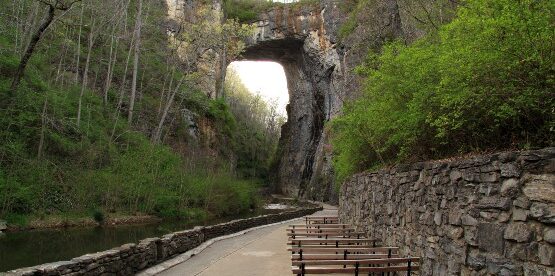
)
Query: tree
[
  {"x": 189, "y": 45},
  {"x": 53, "y": 6},
  {"x": 482, "y": 82},
  {"x": 136, "y": 53}
]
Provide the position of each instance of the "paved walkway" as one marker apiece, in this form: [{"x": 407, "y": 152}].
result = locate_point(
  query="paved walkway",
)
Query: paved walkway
[{"x": 258, "y": 252}]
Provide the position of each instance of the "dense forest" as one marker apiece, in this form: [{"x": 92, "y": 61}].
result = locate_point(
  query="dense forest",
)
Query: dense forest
[
  {"x": 482, "y": 79},
  {"x": 96, "y": 108},
  {"x": 100, "y": 114}
]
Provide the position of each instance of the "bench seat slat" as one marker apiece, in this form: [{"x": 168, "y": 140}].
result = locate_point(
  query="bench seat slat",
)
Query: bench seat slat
[
  {"x": 353, "y": 262},
  {"x": 329, "y": 225},
  {"x": 323, "y": 235},
  {"x": 339, "y": 246},
  {"x": 337, "y": 239},
  {"x": 323, "y": 242},
  {"x": 297, "y": 257},
  {"x": 325, "y": 270},
  {"x": 349, "y": 250},
  {"x": 321, "y": 230}
]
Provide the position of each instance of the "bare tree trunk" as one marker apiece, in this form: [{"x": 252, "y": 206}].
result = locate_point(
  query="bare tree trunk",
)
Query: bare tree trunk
[
  {"x": 163, "y": 92},
  {"x": 27, "y": 26},
  {"x": 109, "y": 71},
  {"x": 135, "y": 62},
  {"x": 60, "y": 64},
  {"x": 17, "y": 10},
  {"x": 113, "y": 59},
  {"x": 43, "y": 129},
  {"x": 122, "y": 88},
  {"x": 85, "y": 74},
  {"x": 31, "y": 48},
  {"x": 158, "y": 130},
  {"x": 79, "y": 45},
  {"x": 223, "y": 71}
]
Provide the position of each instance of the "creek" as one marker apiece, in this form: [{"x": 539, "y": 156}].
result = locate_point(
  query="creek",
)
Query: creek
[{"x": 34, "y": 247}]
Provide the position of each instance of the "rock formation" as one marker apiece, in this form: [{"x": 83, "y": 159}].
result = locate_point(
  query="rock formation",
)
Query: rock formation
[{"x": 319, "y": 68}]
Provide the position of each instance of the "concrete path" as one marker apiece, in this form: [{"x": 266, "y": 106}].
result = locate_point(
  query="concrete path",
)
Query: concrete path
[{"x": 261, "y": 251}]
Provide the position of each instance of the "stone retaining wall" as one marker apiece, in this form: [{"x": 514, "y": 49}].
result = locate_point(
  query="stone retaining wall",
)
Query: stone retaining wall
[
  {"x": 490, "y": 214},
  {"x": 131, "y": 258}
]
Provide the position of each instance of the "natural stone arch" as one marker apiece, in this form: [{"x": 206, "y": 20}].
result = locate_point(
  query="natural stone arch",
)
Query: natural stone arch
[{"x": 296, "y": 38}]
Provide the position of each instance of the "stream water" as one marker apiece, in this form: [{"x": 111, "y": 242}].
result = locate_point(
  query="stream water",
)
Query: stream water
[{"x": 29, "y": 248}]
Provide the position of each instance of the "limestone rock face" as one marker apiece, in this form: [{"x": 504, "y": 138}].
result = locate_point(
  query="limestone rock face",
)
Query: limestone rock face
[
  {"x": 320, "y": 73},
  {"x": 319, "y": 69},
  {"x": 303, "y": 42}
]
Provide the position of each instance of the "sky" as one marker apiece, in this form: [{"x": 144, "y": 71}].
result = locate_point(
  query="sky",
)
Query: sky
[{"x": 266, "y": 78}]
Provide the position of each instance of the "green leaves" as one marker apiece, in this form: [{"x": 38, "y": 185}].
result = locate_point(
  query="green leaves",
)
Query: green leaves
[{"x": 484, "y": 81}]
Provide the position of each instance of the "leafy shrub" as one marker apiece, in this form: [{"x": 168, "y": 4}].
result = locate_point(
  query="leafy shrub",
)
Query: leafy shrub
[
  {"x": 16, "y": 219},
  {"x": 353, "y": 7},
  {"x": 219, "y": 110},
  {"x": 484, "y": 82},
  {"x": 98, "y": 216},
  {"x": 246, "y": 11}
]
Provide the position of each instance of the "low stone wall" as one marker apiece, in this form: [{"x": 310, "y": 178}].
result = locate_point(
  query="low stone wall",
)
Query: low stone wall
[
  {"x": 490, "y": 214},
  {"x": 131, "y": 258}
]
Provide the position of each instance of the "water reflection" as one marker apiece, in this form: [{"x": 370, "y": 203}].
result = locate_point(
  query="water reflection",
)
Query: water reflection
[{"x": 31, "y": 248}]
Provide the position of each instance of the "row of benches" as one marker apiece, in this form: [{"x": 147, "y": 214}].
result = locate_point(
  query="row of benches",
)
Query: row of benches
[{"x": 324, "y": 246}]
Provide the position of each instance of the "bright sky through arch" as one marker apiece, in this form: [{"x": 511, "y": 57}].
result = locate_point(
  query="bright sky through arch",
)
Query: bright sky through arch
[{"x": 266, "y": 78}]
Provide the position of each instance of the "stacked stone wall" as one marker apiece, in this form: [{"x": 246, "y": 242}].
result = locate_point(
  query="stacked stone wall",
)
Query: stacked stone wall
[
  {"x": 490, "y": 214},
  {"x": 131, "y": 258}
]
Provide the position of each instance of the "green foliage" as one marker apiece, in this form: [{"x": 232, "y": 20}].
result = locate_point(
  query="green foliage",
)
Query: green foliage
[
  {"x": 98, "y": 216},
  {"x": 247, "y": 11},
  {"x": 49, "y": 165},
  {"x": 258, "y": 128},
  {"x": 353, "y": 8},
  {"x": 16, "y": 219},
  {"x": 483, "y": 82},
  {"x": 219, "y": 110}
]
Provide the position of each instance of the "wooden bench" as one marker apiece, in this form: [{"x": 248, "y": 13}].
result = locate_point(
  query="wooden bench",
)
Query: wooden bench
[
  {"x": 336, "y": 242},
  {"x": 324, "y": 246},
  {"x": 304, "y": 267}
]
